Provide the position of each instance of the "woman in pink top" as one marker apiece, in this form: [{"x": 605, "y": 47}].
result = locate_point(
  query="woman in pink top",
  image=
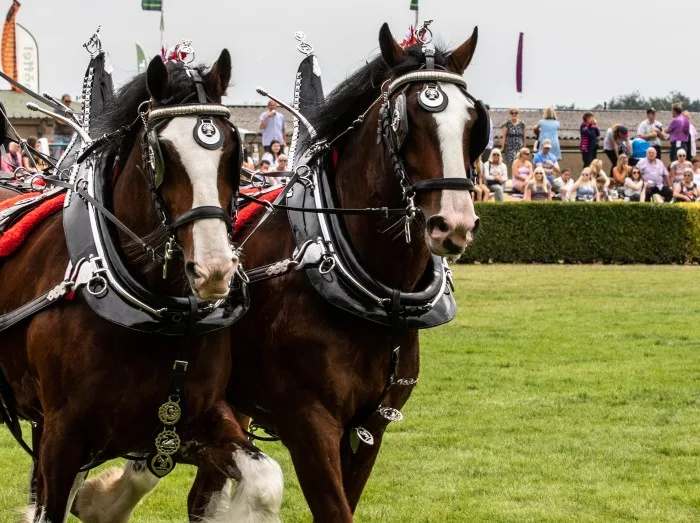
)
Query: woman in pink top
[
  {"x": 677, "y": 168},
  {"x": 522, "y": 170}
]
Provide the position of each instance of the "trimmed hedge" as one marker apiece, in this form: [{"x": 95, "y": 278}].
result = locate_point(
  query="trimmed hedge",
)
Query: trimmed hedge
[{"x": 555, "y": 232}]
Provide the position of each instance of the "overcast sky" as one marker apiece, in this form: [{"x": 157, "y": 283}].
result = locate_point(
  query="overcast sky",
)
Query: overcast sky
[{"x": 575, "y": 52}]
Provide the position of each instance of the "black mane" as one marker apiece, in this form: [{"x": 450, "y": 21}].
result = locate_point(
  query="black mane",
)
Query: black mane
[
  {"x": 122, "y": 110},
  {"x": 353, "y": 96}
]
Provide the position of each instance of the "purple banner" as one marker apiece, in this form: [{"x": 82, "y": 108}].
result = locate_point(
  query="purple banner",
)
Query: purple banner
[{"x": 519, "y": 66}]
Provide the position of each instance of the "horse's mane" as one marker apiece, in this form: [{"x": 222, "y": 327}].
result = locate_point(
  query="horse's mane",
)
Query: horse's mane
[
  {"x": 122, "y": 109},
  {"x": 353, "y": 96}
]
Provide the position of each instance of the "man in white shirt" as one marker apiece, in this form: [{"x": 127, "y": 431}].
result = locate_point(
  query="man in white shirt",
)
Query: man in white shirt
[
  {"x": 272, "y": 125},
  {"x": 651, "y": 131}
]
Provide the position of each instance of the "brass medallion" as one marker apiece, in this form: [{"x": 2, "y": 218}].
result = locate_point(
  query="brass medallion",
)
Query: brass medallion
[
  {"x": 161, "y": 465},
  {"x": 169, "y": 412},
  {"x": 167, "y": 442}
]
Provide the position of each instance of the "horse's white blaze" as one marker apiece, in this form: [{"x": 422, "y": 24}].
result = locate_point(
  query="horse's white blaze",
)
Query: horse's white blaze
[
  {"x": 455, "y": 206},
  {"x": 211, "y": 246},
  {"x": 258, "y": 496}
]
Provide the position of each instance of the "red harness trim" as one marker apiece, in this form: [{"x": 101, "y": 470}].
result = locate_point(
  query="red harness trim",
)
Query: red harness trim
[
  {"x": 15, "y": 236},
  {"x": 251, "y": 211}
]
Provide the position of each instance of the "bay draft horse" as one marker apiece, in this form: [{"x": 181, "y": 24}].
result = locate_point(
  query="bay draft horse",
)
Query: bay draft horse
[
  {"x": 309, "y": 370},
  {"x": 93, "y": 388}
]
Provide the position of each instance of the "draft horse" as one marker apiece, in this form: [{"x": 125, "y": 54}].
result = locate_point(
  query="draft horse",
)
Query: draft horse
[
  {"x": 92, "y": 388},
  {"x": 313, "y": 373}
]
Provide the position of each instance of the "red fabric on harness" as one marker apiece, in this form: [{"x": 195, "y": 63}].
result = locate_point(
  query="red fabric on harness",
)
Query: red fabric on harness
[
  {"x": 251, "y": 211},
  {"x": 9, "y": 203},
  {"x": 13, "y": 238}
]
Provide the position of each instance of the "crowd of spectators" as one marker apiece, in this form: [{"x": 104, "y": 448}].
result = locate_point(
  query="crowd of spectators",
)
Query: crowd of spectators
[{"x": 638, "y": 172}]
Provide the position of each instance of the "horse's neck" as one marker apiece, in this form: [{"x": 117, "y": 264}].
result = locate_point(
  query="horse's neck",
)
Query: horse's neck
[
  {"x": 133, "y": 205},
  {"x": 363, "y": 180}
]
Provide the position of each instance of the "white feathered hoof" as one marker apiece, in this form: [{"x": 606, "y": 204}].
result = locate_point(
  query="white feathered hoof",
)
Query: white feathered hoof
[{"x": 112, "y": 496}]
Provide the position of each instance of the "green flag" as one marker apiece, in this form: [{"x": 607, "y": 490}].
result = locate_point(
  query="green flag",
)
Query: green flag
[
  {"x": 414, "y": 5},
  {"x": 141, "y": 60},
  {"x": 152, "y": 5}
]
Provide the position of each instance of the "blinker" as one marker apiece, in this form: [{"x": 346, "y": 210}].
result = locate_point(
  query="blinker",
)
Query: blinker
[{"x": 432, "y": 98}]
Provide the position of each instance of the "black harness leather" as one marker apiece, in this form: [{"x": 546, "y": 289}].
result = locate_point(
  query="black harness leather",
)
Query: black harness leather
[{"x": 428, "y": 307}]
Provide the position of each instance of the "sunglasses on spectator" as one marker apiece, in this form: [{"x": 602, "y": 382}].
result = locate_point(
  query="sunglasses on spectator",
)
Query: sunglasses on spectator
[
  {"x": 515, "y": 112},
  {"x": 681, "y": 156}
]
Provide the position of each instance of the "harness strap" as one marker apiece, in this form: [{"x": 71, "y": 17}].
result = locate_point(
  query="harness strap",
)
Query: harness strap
[
  {"x": 31, "y": 308},
  {"x": 8, "y": 414},
  {"x": 82, "y": 192},
  {"x": 383, "y": 211},
  {"x": 199, "y": 213},
  {"x": 449, "y": 184}
]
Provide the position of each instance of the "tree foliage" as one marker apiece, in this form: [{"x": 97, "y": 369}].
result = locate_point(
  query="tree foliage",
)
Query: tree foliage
[{"x": 635, "y": 100}]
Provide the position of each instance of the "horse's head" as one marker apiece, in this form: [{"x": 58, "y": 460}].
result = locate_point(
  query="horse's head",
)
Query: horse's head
[
  {"x": 194, "y": 161},
  {"x": 439, "y": 130}
]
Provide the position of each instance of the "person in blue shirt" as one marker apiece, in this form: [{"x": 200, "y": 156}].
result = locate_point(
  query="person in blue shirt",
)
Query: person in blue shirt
[
  {"x": 548, "y": 128},
  {"x": 547, "y": 160},
  {"x": 639, "y": 150}
]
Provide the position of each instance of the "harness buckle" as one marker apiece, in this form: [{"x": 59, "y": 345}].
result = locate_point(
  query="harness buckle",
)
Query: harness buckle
[
  {"x": 167, "y": 255},
  {"x": 327, "y": 265}
]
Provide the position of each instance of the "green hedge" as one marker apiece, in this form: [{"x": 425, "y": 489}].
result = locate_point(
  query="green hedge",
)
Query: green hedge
[{"x": 554, "y": 232}]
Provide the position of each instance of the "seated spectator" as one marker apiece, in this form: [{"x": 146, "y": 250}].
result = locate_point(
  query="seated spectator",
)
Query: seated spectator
[
  {"x": 547, "y": 160},
  {"x": 248, "y": 162},
  {"x": 603, "y": 192},
  {"x": 562, "y": 185},
  {"x": 620, "y": 172},
  {"x": 678, "y": 167},
  {"x": 639, "y": 150},
  {"x": 281, "y": 163},
  {"x": 634, "y": 190},
  {"x": 481, "y": 189},
  {"x": 655, "y": 175},
  {"x": 598, "y": 172},
  {"x": 34, "y": 163},
  {"x": 686, "y": 190},
  {"x": 496, "y": 174},
  {"x": 617, "y": 140},
  {"x": 265, "y": 166},
  {"x": 696, "y": 170},
  {"x": 585, "y": 189},
  {"x": 273, "y": 154},
  {"x": 12, "y": 159},
  {"x": 538, "y": 188},
  {"x": 522, "y": 170}
]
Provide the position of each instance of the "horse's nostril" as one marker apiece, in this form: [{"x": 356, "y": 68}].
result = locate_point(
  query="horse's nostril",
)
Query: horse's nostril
[
  {"x": 189, "y": 269},
  {"x": 439, "y": 223},
  {"x": 476, "y": 226}
]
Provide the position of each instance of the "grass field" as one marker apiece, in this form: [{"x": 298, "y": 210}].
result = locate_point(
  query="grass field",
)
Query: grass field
[{"x": 560, "y": 393}]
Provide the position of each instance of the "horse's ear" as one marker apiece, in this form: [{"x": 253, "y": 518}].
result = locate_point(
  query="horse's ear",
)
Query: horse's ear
[
  {"x": 157, "y": 78},
  {"x": 220, "y": 74},
  {"x": 392, "y": 52},
  {"x": 460, "y": 58}
]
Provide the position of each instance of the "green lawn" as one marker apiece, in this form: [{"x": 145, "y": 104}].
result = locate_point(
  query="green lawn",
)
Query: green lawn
[{"x": 560, "y": 393}]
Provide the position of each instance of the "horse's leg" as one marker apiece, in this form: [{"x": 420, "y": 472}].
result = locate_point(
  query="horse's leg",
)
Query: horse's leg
[
  {"x": 61, "y": 455},
  {"x": 313, "y": 438},
  {"x": 258, "y": 494},
  {"x": 210, "y": 495},
  {"x": 357, "y": 466},
  {"x": 112, "y": 496}
]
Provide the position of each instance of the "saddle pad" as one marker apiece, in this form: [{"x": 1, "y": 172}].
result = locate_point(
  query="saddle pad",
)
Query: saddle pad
[
  {"x": 248, "y": 212},
  {"x": 13, "y": 237}
]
